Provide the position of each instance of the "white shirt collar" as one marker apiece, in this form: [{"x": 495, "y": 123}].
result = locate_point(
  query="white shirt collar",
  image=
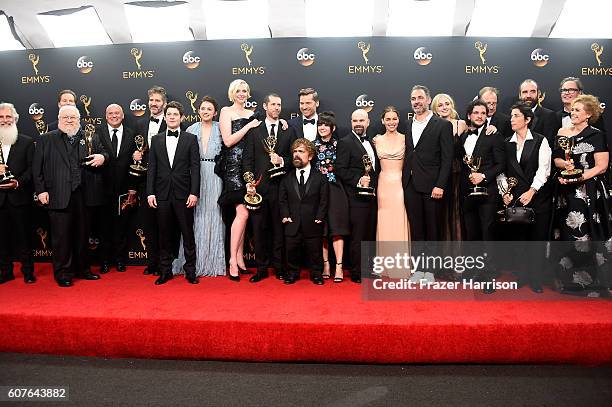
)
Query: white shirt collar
[
  {"x": 528, "y": 136},
  {"x": 426, "y": 118}
]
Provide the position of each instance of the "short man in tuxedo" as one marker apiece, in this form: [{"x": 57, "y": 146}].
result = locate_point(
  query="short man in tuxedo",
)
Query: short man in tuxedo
[
  {"x": 17, "y": 151},
  {"x": 499, "y": 120},
  {"x": 148, "y": 127},
  {"x": 118, "y": 141},
  {"x": 66, "y": 187},
  {"x": 173, "y": 187},
  {"x": 545, "y": 121},
  {"x": 350, "y": 169},
  {"x": 65, "y": 97},
  {"x": 267, "y": 226},
  {"x": 306, "y": 125},
  {"x": 303, "y": 197}
]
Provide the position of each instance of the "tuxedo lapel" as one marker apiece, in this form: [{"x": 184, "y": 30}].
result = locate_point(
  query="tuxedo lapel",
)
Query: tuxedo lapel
[
  {"x": 294, "y": 182},
  {"x": 124, "y": 141},
  {"x": 409, "y": 144},
  {"x": 164, "y": 150},
  {"x": 536, "y": 117},
  {"x": 309, "y": 182},
  {"x": 358, "y": 144},
  {"x": 479, "y": 142},
  {"x": 60, "y": 147},
  {"x": 425, "y": 131}
]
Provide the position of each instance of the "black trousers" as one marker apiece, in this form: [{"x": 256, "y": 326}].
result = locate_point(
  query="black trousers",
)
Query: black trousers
[
  {"x": 363, "y": 228},
  {"x": 424, "y": 213},
  {"x": 69, "y": 238},
  {"x": 313, "y": 246},
  {"x": 114, "y": 232},
  {"x": 268, "y": 233},
  {"x": 173, "y": 214},
  {"x": 15, "y": 238},
  {"x": 479, "y": 217}
]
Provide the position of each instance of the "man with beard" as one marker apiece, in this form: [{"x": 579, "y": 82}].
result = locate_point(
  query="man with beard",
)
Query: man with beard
[
  {"x": 350, "y": 154},
  {"x": 16, "y": 152},
  {"x": 65, "y": 97},
  {"x": 306, "y": 124},
  {"x": 65, "y": 187},
  {"x": 267, "y": 226},
  {"x": 501, "y": 121},
  {"x": 303, "y": 200},
  {"x": 545, "y": 120}
]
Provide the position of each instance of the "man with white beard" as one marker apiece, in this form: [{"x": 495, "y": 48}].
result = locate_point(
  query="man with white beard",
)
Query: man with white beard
[
  {"x": 16, "y": 152},
  {"x": 66, "y": 180}
]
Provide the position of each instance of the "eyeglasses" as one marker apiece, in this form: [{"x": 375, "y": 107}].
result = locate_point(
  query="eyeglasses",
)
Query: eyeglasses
[
  {"x": 569, "y": 90},
  {"x": 69, "y": 117}
]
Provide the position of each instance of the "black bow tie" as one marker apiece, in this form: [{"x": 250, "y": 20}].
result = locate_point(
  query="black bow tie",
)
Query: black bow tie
[
  {"x": 172, "y": 133},
  {"x": 363, "y": 138},
  {"x": 565, "y": 114},
  {"x": 309, "y": 121},
  {"x": 475, "y": 131},
  {"x": 153, "y": 119}
]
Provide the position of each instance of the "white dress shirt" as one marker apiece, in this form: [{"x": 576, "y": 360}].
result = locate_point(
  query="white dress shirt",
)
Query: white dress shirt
[
  {"x": 470, "y": 142},
  {"x": 119, "y": 137},
  {"x": 171, "y": 143},
  {"x": 154, "y": 127},
  {"x": 417, "y": 128},
  {"x": 310, "y": 130},
  {"x": 368, "y": 147},
  {"x": 269, "y": 124},
  {"x": 6, "y": 149},
  {"x": 566, "y": 122},
  {"x": 306, "y": 173}
]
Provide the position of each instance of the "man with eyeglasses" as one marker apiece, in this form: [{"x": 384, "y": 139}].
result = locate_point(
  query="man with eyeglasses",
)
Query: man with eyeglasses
[
  {"x": 501, "y": 121},
  {"x": 570, "y": 89},
  {"x": 67, "y": 180}
]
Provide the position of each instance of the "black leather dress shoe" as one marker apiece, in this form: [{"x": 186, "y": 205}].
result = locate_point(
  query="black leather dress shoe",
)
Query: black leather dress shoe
[
  {"x": 120, "y": 267},
  {"x": 29, "y": 278},
  {"x": 280, "y": 275},
  {"x": 64, "y": 283},
  {"x": 163, "y": 279},
  {"x": 90, "y": 276},
  {"x": 192, "y": 280},
  {"x": 258, "y": 277},
  {"x": 356, "y": 279},
  {"x": 317, "y": 280},
  {"x": 105, "y": 268},
  {"x": 289, "y": 280}
]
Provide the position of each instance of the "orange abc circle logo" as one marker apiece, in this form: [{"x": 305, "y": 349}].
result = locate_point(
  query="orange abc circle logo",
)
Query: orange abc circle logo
[
  {"x": 422, "y": 56},
  {"x": 305, "y": 57},
  {"x": 36, "y": 111},
  {"x": 84, "y": 64},
  {"x": 539, "y": 58},
  {"x": 191, "y": 60},
  {"x": 138, "y": 107},
  {"x": 364, "y": 102}
]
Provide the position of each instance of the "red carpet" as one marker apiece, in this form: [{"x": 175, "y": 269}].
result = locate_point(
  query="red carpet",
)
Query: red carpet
[{"x": 126, "y": 315}]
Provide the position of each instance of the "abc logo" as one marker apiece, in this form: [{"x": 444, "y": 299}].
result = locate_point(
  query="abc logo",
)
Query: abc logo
[
  {"x": 84, "y": 64},
  {"x": 250, "y": 105},
  {"x": 602, "y": 105},
  {"x": 364, "y": 102},
  {"x": 190, "y": 60},
  {"x": 36, "y": 111},
  {"x": 422, "y": 56},
  {"x": 305, "y": 57},
  {"x": 539, "y": 58},
  {"x": 137, "y": 107}
]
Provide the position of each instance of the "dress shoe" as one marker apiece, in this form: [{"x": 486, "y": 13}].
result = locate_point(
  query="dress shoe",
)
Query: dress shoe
[
  {"x": 29, "y": 278},
  {"x": 150, "y": 271},
  {"x": 317, "y": 280},
  {"x": 120, "y": 267},
  {"x": 163, "y": 279},
  {"x": 105, "y": 268},
  {"x": 536, "y": 288},
  {"x": 279, "y": 275},
  {"x": 90, "y": 276},
  {"x": 64, "y": 283},
  {"x": 356, "y": 279},
  {"x": 258, "y": 277},
  {"x": 192, "y": 280},
  {"x": 289, "y": 280}
]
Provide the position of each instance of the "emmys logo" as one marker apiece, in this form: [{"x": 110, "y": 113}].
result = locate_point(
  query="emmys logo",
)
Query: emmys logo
[
  {"x": 483, "y": 68},
  {"x": 36, "y": 111},
  {"x": 539, "y": 58},
  {"x": 44, "y": 252},
  {"x": 599, "y": 70},
  {"x": 192, "y": 97},
  {"x": 41, "y": 126},
  {"x": 137, "y": 107},
  {"x": 422, "y": 56},
  {"x": 86, "y": 100},
  {"x": 139, "y": 74},
  {"x": 541, "y": 98},
  {"x": 140, "y": 254},
  {"x": 305, "y": 57},
  {"x": 34, "y": 60},
  {"x": 367, "y": 68},
  {"x": 84, "y": 64},
  {"x": 191, "y": 60},
  {"x": 248, "y": 70},
  {"x": 364, "y": 102}
]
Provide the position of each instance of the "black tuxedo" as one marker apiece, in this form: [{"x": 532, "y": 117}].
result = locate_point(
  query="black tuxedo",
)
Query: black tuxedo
[
  {"x": 545, "y": 123},
  {"x": 479, "y": 212},
  {"x": 171, "y": 185},
  {"x": 426, "y": 166},
  {"x": 15, "y": 209},
  {"x": 117, "y": 181},
  {"x": 297, "y": 123},
  {"x": 363, "y": 210},
  {"x": 502, "y": 122},
  {"x": 267, "y": 226},
  {"x": 303, "y": 209},
  {"x": 71, "y": 188}
]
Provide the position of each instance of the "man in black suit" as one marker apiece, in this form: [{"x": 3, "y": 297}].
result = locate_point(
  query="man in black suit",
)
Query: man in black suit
[
  {"x": 267, "y": 226},
  {"x": 16, "y": 152},
  {"x": 501, "y": 121},
  {"x": 65, "y": 97},
  {"x": 350, "y": 154},
  {"x": 570, "y": 88},
  {"x": 306, "y": 125},
  {"x": 66, "y": 187},
  {"x": 303, "y": 197},
  {"x": 118, "y": 140},
  {"x": 545, "y": 121},
  {"x": 173, "y": 187}
]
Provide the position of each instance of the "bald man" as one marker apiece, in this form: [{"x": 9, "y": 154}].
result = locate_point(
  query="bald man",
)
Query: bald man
[
  {"x": 350, "y": 170},
  {"x": 118, "y": 141}
]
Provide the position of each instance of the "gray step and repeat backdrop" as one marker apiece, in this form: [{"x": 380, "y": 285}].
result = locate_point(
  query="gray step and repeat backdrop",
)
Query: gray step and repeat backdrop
[{"x": 348, "y": 73}]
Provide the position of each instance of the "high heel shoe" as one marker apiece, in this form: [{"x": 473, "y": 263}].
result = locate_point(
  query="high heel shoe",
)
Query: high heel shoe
[
  {"x": 231, "y": 277},
  {"x": 336, "y": 278},
  {"x": 244, "y": 271},
  {"x": 326, "y": 273}
]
